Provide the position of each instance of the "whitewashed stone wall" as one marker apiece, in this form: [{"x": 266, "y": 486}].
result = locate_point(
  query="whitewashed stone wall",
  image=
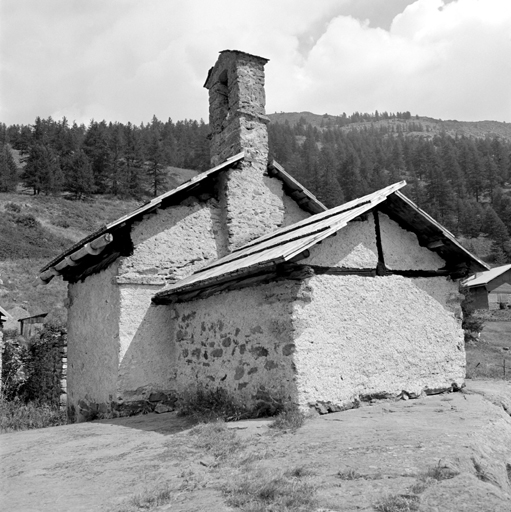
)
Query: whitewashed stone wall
[
  {"x": 352, "y": 247},
  {"x": 402, "y": 251},
  {"x": 93, "y": 342},
  {"x": 374, "y": 335},
  {"x": 173, "y": 243}
]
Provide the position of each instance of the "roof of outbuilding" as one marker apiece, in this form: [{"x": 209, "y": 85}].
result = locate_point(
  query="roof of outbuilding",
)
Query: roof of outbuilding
[
  {"x": 93, "y": 245},
  {"x": 483, "y": 278},
  {"x": 287, "y": 244}
]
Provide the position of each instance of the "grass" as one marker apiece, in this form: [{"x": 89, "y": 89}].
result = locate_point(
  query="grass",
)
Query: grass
[
  {"x": 151, "y": 498},
  {"x": 410, "y": 501},
  {"x": 16, "y": 415},
  {"x": 349, "y": 474},
  {"x": 205, "y": 405},
  {"x": 398, "y": 503},
  {"x": 217, "y": 440},
  {"x": 236, "y": 462},
  {"x": 291, "y": 418},
  {"x": 210, "y": 405},
  {"x": 265, "y": 490},
  {"x": 486, "y": 357}
]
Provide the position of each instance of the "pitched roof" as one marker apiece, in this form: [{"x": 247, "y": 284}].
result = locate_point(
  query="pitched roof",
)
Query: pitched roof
[
  {"x": 286, "y": 244},
  {"x": 483, "y": 278},
  {"x": 83, "y": 252}
]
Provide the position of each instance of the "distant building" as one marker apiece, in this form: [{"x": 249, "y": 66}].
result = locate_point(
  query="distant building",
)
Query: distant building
[
  {"x": 490, "y": 289},
  {"x": 31, "y": 325}
]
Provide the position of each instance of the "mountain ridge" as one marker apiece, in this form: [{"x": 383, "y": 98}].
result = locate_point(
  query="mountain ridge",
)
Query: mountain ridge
[{"x": 431, "y": 126}]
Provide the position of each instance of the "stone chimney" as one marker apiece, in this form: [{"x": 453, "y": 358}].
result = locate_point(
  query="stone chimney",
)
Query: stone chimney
[{"x": 252, "y": 201}]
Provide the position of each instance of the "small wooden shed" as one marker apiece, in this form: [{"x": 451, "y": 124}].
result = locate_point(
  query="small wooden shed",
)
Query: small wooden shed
[
  {"x": 30, "y": 325},
  {"x": 490, "y": 289}
]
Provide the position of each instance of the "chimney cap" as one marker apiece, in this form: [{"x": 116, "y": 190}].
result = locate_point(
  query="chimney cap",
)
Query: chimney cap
[{"x": 239, "y": 53}]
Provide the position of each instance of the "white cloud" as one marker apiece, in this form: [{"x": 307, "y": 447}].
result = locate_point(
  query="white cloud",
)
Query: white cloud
[
  {"x": 125, "y": 60},
  {"x": 449, "y": 61}
]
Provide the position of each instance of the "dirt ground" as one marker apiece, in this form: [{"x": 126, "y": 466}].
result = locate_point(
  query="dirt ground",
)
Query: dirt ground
[{"x": 98, "y": 466}]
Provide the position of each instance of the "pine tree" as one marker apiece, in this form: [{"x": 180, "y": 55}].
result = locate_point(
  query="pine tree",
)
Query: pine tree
[
  {"x": 133, "y": 181},
  {"x": 494, "y": 227},
  {"x": 79, "y": 176},
  {"x": 155, "y": 160},
  {"x": 8, "y": 171},
  {"x": 95, "y": 146}
]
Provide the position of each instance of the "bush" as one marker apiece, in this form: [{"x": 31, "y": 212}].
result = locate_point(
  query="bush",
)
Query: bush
[
  {"x": 17, "y": 415},
  {"x": 13, "y": 207},
  {"x": 472, "y": 324},
  {"x": 27, "y": 220},
  {"x": 15, "y": 362},
  {"x": 33, "y": 372},
  {"x": 205, "y": 405},
  {"x": 291, "y": 418}
]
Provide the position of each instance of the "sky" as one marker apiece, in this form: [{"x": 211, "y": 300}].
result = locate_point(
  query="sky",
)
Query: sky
[{"x": 127, "y": 60}]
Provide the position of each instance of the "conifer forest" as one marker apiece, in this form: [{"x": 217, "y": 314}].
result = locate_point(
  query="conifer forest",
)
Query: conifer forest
[{"x": 462, "y": 181}]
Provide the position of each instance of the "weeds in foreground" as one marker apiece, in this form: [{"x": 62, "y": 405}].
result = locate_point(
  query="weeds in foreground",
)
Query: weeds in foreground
[
  {"x": 411, "y": 501},
  {"x": 151, "y": 498},
  {"x": 291, "y": 418},
  {"x": 204, "y": 405},
  {"x": 264, "y": 490},
  {"x": 349, "y": 474},
  {"x": 217, "y": 440},
  {"x": 16, "y": 415},
  {"x": 398, "y": 503}
]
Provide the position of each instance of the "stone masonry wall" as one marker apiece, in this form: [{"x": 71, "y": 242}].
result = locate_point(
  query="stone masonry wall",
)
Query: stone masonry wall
[
  {"x": 241, "y": 341},
  {"x": 375, "y": 336}
]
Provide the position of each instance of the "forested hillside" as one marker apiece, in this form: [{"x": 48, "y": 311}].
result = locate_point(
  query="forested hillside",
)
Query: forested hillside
[
  {"x": 122, "y": 160},
  {"x": 457, "y": 172}
]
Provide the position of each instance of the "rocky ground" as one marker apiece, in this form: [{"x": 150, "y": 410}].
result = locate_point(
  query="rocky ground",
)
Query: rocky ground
[{"x": 350, "y": 460}]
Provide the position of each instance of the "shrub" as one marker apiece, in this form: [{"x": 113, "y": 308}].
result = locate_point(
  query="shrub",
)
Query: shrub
[
  {"x": 44, "y": 365},
  {"x": 27, "y": 220},
  {"x": 17, "y": 415},
  {"x": 12, "y": 207},
  {"x": 205, "y": 405},
  {"x": 472, "y": 324},
  {"x": 15, "y": 372},
  {"x": 291, "y": 418},
  {"x": 33, "y": 372}
]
